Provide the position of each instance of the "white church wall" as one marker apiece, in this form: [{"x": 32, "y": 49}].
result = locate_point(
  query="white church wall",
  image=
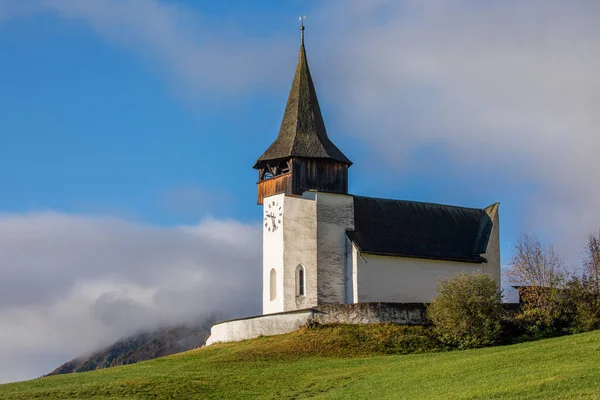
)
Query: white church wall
[
  {"x": 335, "y": 214},
  {"x": 300, "y": 248},
  {"x": 402, "y": 279},
  {"x": 351, "y": 272},
  {"x": 273, "y": 259},
  {"x": 492, "y": 254}
]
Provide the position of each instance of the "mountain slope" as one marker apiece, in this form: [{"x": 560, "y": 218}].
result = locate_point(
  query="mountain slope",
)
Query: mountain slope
[
  {"x": 141, "y": 347},
  {"x": 560, "y": 368}
]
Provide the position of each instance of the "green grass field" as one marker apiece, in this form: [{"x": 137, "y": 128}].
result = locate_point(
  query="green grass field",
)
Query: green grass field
[{"x": 341, "y": 362}]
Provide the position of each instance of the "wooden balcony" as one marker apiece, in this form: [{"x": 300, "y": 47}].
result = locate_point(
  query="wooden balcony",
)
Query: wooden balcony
[{"x": 278, "y": 184}]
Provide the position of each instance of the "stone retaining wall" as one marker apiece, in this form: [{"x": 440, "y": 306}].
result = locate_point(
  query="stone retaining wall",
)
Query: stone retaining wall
[
  {"x": 275, "y": 324},
  {"x": 370, "y": 313}
]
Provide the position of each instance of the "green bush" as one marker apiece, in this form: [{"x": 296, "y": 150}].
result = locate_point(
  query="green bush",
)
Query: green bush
[
  {"x": 583, "y": 305},
  {"x": 467, "y": 311},
  {"x": 573, "y": 308},
  {"x": 544, "y": 312}
]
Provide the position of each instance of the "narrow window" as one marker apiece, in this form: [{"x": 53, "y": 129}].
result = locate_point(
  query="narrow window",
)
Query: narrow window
[
  {"x": 273, "y": 284},
  {"x": 300, "y": 281}
]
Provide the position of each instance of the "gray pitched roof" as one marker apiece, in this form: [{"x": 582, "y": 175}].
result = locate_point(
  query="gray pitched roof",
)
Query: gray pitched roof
[
  {"x": 302, "y": 132},
  {"x": 421, "y": 230}
]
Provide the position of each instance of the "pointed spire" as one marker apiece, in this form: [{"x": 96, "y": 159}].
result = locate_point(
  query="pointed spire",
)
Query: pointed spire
[
  {"x": 302, "y": 132},
  {"x": 302, "y": 30}
]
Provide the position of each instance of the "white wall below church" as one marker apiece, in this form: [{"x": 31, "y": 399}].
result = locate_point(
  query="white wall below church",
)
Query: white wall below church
[
  {"x": 402, "y": 279},
  {"x": 264, "y": 325}
]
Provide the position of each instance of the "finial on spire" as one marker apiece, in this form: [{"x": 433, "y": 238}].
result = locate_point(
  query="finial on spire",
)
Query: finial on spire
[{"x": 301, "y": 19}]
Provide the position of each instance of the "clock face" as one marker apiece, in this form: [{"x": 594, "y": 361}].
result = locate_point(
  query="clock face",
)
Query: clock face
[{"x": 273, "y": 216}]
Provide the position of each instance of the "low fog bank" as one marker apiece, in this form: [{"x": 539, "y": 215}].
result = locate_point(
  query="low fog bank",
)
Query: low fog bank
[{"x": 74, "y": 284}]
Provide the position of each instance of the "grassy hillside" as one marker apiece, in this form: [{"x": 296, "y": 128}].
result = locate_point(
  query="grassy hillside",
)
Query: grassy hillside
[{"x": 339, "y": 363}]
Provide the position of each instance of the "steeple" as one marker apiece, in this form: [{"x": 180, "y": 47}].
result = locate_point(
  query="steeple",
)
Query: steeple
[
  {"x": 302, "y": 132},
  {"x": 302, "y": 157}
]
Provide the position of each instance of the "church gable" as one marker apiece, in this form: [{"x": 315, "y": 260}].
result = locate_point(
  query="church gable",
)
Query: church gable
[{"x": 420, "y": 230}]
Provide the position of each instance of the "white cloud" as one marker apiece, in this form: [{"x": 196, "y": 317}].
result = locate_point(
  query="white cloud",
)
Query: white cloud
[
  {"x": 508, "y": 88},
  {"x": 191, "y": 200},
  {"x": 73, "y": 283}
]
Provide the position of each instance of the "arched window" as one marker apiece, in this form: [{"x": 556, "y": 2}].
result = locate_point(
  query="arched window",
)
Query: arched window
[
  {"x": 273, "y": 284},
  {"x": 300, "y": 281}
]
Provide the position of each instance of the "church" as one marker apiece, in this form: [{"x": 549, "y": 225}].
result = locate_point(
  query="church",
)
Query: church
[
  {"x": 332, "y": 257},
  {"x": 322, "y": 245}
]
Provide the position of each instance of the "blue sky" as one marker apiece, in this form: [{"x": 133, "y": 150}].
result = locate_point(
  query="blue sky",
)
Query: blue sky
[
  {"x": 128, "y": 130},
  {"x": 89, "y": 127}
]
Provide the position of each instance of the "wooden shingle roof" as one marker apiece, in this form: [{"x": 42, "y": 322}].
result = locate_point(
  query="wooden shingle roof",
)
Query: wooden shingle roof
[
  {"x": 420, "y": 230},
  {"x": 302, "y": 132}
]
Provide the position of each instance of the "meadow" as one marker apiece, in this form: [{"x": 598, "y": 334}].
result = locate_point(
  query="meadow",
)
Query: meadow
[{"x": 342, "y": 362}]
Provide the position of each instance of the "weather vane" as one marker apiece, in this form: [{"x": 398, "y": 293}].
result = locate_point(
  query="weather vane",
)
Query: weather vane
[{"x": 301, "y": 19}]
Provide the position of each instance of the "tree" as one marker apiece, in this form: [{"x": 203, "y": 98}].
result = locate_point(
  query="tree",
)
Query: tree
[
  {"x": 591, "y": 264},
  {"x": 583, "y": 291},
  {"x": 539, "y": 272},
  {"x": 534, "y": 265},
  {"x": 582, "y": 304},
  {"x": 467, "y": 312}
]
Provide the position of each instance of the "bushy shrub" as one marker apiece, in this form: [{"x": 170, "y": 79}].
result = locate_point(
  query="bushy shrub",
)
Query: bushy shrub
[
  {"x": 583, "y": 305},
  {"x": 573, "y": 308},
  {"x": 544, "y": 311},
  {"x": 467, "y": 311},
  {"x": 552, "y": 303}
]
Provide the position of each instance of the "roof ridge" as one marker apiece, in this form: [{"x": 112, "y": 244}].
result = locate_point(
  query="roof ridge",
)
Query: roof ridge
[{"x": 421, "y": 202}]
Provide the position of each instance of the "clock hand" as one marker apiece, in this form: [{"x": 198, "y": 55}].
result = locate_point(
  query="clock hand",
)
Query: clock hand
[{"x": 273, "y": 218}]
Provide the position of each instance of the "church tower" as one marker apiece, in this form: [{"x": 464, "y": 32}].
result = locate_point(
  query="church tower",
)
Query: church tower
[
  {"x": 299, "y": 166},
  {"x": 302, "y": 157}
]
